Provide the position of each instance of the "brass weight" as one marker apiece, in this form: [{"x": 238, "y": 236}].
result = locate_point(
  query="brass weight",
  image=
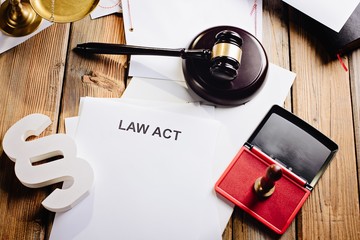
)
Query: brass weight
[
  {"x": 18, "y": 19},
  {"x": 22, "y": 17}
]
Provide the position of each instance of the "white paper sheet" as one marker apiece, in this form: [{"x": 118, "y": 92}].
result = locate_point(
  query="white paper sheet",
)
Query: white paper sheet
[
  {"x": 106, "y": 7},
  {"x": 71, "y": 126},
  {"x": 7, "y": 42},
  {"x": 146, "y": 187},
  {"x": 332, "y": 14},
  {"x": 174, "y": 24},
  {"x": 240, "y": 121},
  {"x": 256, "y": 9},
  {"x": 277, "y": 85}
]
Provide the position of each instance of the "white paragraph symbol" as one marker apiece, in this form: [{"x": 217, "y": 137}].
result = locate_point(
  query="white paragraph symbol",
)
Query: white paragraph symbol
[{"x": 76, "y": 173}]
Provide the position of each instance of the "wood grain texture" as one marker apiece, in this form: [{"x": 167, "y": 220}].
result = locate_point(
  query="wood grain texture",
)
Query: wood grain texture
[
  {"x": 354, "y": 63},
  {"x": 322, "y": 97},
  {"x": 31, "y": 77},
  {"x": 96, "y": 75},
  {"x": 276, "y": 37}
]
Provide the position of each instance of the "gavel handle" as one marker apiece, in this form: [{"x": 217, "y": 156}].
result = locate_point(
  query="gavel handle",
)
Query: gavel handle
[{"x": 123, "y": 49}]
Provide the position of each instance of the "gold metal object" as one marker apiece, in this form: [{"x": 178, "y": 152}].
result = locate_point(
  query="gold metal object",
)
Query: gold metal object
[
  {"x": 18, "y": 18},
  {"x": 63, "y": 11},
  {"x": 226, "y": 49}
]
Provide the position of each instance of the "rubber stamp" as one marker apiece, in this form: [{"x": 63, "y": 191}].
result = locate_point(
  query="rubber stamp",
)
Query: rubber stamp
[
  {"x": 275, "y": 171},
  {"x": 265, "y": 186}
]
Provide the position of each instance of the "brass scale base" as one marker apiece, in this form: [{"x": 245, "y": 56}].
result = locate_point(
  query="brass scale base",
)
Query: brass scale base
[{"x": 20, "y": 18}]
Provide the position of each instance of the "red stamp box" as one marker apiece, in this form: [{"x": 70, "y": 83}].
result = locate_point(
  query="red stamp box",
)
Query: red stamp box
[{"x": 285, "y": 141}]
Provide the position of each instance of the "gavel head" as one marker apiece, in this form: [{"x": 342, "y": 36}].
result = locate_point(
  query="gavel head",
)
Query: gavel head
[
  {"x": 230, "y": 66},
  {"x": 226, "y": 55}
]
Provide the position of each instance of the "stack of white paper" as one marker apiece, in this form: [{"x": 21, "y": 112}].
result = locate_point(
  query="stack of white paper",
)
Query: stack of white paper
[{"x": 153, "y": 174}]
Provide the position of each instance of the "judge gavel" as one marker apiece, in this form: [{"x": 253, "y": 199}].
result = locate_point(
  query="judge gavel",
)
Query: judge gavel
[
  {"x": 265, "y": 186},
  {"x": 224, "y": 57}
]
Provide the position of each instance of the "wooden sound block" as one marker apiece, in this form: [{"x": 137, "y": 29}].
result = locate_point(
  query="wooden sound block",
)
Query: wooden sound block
[{"x": 251, "y": 73}]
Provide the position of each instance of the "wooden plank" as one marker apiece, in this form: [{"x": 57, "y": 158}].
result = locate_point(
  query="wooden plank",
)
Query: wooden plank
[
  {"x": 98, "y": 75},
  {"x": 227, "y": 234},
  {"x": 276, "y": 36},
  {"x": 354, "y": 66},
  {"x": 276, "y": 43},
  {"x": 275, "y": 33},
  {"x": 31, "y": 82},
  {"x": 321, "y": 96}
]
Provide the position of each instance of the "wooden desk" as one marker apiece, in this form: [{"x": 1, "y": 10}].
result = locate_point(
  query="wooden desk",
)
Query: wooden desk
[{"x": 43, "y": 75}]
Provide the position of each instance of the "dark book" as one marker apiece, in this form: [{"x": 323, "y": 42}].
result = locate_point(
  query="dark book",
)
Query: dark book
[{"x": 342, "y": 42}]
